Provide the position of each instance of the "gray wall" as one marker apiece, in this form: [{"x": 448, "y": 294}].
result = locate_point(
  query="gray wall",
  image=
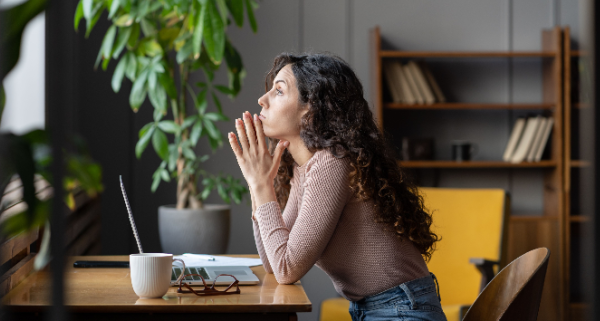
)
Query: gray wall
[{"x": 342, "y": 27}]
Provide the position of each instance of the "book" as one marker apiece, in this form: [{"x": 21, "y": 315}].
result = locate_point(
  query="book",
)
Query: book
[
  {"x": 544, "y": 140},
  {"x": 392, "y": 82},
  {"x": 407, "y": 94},
  {"x": 526, "y": 139},
  {"x": 537, "y": 139},
  {"x": 412, "y": 83},
  {"x": 517, "y": 131},
  {"x": 439, "y": 96},
  {"x": 426, "y": 91}
]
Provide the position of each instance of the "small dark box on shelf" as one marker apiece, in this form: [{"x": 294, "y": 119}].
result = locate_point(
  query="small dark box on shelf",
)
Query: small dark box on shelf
[{"x": 417, "y": 149}]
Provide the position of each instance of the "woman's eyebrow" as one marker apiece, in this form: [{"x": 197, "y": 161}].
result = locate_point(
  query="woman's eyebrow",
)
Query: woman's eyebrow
[{"x": 280, "y": 80}]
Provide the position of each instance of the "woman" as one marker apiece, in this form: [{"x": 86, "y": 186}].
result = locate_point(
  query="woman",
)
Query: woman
[{"x": 348, "y": 207}]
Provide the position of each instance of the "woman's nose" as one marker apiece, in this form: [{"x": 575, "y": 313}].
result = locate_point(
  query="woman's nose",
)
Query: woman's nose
[{"x": 262, "y": 101}]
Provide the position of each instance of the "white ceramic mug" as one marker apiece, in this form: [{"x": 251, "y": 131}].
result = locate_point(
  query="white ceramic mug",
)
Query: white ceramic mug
[{"x": 151, "y": 274}]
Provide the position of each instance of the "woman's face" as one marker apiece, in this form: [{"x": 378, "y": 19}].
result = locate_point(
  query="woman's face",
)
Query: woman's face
[{"x": 281, "y": 110}]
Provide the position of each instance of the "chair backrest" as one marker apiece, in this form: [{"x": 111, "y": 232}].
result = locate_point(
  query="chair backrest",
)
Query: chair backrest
[
  {"x": 515, "y": 293},
  {"x": 472, "y": 223}
]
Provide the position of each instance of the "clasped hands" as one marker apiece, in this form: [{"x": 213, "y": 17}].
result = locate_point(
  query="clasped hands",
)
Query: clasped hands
[{"x": 258, "y": 166}]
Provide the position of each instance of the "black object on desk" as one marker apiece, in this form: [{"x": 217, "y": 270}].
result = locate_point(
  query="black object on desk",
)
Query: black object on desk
[{"x": 101, "y": 264}]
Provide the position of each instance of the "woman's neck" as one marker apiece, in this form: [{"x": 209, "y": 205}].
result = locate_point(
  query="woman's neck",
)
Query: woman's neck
[{"x": 299, "y": 151}]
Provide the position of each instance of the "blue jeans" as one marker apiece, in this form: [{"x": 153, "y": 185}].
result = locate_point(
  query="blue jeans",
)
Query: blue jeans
[{"x": 413, "y": 300}]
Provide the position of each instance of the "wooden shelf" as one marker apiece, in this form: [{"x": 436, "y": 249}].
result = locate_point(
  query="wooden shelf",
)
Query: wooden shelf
[
  {"x": 476, "y": 164},
  {"x": 468, "y": 106},
  {"x": 579, "y": 218},
  {"x": 578, "y": 53},
  {"x": 465, "y": 54},
  {"x": 531, "y": 218},
  {"x": 579, "y": 163}
]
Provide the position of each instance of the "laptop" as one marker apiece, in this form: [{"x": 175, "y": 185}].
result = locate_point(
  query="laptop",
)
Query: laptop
[{"x": 243, "y": 273}]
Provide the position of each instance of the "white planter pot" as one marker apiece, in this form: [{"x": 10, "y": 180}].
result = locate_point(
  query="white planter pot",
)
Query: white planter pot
[{"x": 201, "y": 231}]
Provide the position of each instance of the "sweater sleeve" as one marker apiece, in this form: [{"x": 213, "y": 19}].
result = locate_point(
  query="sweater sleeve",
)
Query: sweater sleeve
[
  {"x": 293, "y": 251},
  {"x": 289, "y": 216}
]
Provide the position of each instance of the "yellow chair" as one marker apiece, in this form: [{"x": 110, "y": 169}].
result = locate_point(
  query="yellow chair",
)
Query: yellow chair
[{"x": 473, "y": 227}]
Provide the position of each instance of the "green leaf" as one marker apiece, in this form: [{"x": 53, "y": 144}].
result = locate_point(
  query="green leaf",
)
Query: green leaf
[
  {"x": 90, "y": 23},
  {"x": 173, "y": 155},
  {"x": 151, "y": 80},
  {"x": 224, "y": 90},
  {"x": 114, "y": 6},
  {"x": 158, "y": 98},
  {"x": 131, "y": 67},
  {"x": 215, "y": 116},
  {"x": 214, "y": 33},
  {"x": 124, "y": 20},
  {"x": 117, "y": 78},
  {"x": 205, "y": 193},
  {"x": 169, "y": 126},
  {"x": 78, "y": 14},
  {"x": 235, "y": 69},
  {"x": 107, "y": 43},
  {"x": 222, "y": 193},
  {"x": 145, "y": 134},
  {"x": 202, "y": 103},
  {"x": 188, "y": 153},
  {"x": 165, "y": 175},
  {"x": 124, "y": 34},
  {"x": 236, "y": 195},
  {"x": 199, "y": 28},
  {"x": 148, "y": 27},
  {"x": 212, "y": 129},
  {"x": 151, "y": 47},
  {"x": 158, "y": 114},
  {"x": 135, "y": 35},
  {"x": 196, "y": 133},
  {"x": 160, "y": 144},
  {"x": 87, "y": 9},
  {"x": 145, "y": 129},
  {"x": 168, "y": 84},
  {"x": 142, "y": 9},
  {"x": 138, "y": 92},
  {"x": 184, "y": 52},
  {"x": 222, "y": 11},
  {"x": 249, "y": 9},
  {"x": 155, "y": 180},
  {"x": 167, "y": 36},
  {"x": 236, "y": 7},
  {"x": 189, "y": 121},
  {"x": 217, "y": 102}
]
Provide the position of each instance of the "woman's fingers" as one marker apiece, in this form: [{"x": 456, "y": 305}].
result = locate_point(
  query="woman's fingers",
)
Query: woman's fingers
[
  {"x": 235, "y": 146},
  {"x": 260, "y": 134},
  {"x": 249, "y": 124},
  {"x": 239, "y": 127},
  {"x": 281, "y": 146}
]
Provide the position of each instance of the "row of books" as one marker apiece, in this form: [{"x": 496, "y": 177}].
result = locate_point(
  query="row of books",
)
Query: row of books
[
  {"x": 528, "y": 139},
  {"x": 411, "y": 83}
]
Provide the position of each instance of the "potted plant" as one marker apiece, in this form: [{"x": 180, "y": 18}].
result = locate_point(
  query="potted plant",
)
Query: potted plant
[
  {"x": 27, "y": 158},
  {"x": 158, "y": 44}
]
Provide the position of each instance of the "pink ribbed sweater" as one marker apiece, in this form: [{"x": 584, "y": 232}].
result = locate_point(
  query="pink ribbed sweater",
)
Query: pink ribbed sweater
[{"x": 323, "y": 225}]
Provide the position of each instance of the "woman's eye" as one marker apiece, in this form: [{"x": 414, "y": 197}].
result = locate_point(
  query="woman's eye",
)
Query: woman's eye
[{"x": 279, "y": 92}]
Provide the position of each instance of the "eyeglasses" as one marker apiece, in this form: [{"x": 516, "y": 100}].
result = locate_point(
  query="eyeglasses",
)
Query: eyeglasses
[{"x": 209, "y": 290}]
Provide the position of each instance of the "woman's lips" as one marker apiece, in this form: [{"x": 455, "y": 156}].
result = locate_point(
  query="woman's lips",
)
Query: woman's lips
[{"x": 261, "y": 117}]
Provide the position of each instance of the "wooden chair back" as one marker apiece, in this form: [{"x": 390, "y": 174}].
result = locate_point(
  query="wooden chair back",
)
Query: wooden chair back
[{"x": 515, "y": 293}]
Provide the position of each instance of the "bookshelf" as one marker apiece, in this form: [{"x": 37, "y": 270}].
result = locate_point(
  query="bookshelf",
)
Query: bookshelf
[
  {"x": 574, "y": 219},
  {"x": 526, "y": 232}
]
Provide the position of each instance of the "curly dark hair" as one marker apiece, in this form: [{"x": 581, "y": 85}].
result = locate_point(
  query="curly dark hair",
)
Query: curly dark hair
[{"x": 339, "y": 120}]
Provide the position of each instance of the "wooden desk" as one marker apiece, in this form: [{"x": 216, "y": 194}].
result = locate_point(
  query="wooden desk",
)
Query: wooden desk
[{"x": 103, "y": 293}]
